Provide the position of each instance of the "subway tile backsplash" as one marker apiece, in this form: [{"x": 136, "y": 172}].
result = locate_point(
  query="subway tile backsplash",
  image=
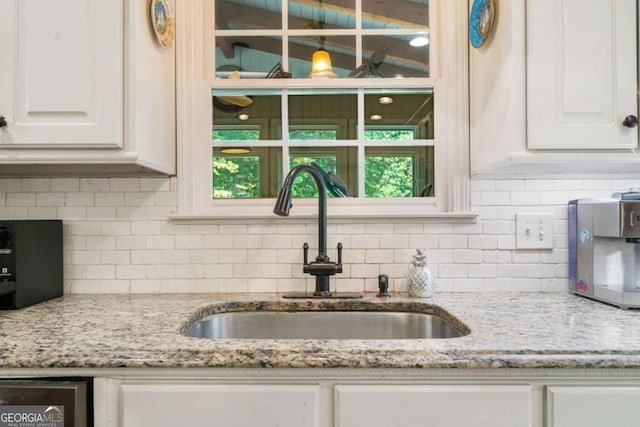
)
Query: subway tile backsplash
[{"x": 118, "y": 239}]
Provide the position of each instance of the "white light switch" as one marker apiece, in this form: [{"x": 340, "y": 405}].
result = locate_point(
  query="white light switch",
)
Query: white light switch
[{"x": 534, "y": 231}]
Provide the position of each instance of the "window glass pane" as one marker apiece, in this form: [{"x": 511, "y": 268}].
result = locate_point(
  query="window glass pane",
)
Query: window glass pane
[
  {"x": 309, "y": 134},
  {"x": 247, "y": 14},
  {"x": 341, "y": 51},
  {"x": 338, "y": 164},
  {"x": 247, "y": 56},
  {"x": 393, "y": 56},
  {"x": 245, "y": 115},
  {"x": 321, "y": 14},
  {"x": 383, "y": 55},
  {"x": 324, "y": 111},
  {"x": 398, "y": 115},
  {"x": 395, "y": 14},
  {"x": 234, "y": 133},
  {"x": 247, "y": 173},
  {"x": 388, "y": 133},
  {"x": 399, "y": 172}
]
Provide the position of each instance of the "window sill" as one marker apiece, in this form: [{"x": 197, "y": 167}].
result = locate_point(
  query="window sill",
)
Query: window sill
[{"x": 337, "y": 209}]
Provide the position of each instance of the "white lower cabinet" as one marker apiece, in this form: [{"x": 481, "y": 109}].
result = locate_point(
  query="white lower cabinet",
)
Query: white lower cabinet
[
  {"x": 249, "y": 399},
  {"x": 433, "y": 406},
  {"x": 297, "y": 402},
  {"x": 586, "y": 406},
  {"x": 219, "y": 405}
]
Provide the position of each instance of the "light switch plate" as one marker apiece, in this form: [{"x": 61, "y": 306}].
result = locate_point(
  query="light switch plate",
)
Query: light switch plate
[{"x": 534, "y": 231}]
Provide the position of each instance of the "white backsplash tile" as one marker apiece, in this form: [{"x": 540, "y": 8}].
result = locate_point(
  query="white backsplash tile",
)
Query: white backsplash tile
[{"x": 118, "y": 239}]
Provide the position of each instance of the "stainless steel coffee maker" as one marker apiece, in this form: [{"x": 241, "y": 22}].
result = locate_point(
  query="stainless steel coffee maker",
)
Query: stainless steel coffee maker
[{"x": 604, "y": 249}]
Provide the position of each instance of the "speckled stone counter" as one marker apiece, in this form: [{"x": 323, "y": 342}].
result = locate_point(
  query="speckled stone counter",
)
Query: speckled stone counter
[{"x": 142, "y": 331}]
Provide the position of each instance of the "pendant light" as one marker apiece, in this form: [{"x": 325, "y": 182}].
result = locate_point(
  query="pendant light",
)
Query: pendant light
[
  {"x": 321, "y": 65},
  {"x": 321, "y": 61}
]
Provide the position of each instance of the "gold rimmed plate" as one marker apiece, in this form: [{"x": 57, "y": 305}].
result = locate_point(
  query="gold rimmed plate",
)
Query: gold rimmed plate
[{"x": 162, "y": 22}]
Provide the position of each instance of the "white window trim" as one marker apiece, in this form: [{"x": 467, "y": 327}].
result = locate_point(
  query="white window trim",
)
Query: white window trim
[{"x": 452, "y": 129}]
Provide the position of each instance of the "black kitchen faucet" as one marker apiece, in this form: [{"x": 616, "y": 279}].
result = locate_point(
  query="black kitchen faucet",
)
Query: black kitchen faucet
[{"x": 322, "y": 268}]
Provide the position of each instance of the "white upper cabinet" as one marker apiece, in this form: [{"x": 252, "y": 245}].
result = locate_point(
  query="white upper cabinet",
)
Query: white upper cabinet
[
  {"x": 551, "y": 88},
  {"x": 581, "y": 74},
  {"x": 62, "y": 82},
  {"x": 84, "y": 87}
]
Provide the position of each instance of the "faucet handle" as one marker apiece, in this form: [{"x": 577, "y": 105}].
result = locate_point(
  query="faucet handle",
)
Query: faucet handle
[
  {"x": 305, "y": 250},
  {"x": 339, "y": 253}
]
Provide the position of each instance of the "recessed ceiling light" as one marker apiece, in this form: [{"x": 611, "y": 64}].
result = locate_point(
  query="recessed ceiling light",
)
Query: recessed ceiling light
[
  {"x": 419, "y": 41},
  {"x": 375, "y": 117},
  {"x": 243, "y": 117},
  {"x": 385, "y": 100}
]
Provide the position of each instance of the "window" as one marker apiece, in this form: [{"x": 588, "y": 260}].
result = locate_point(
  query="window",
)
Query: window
[{"x": 391, "y": 128}]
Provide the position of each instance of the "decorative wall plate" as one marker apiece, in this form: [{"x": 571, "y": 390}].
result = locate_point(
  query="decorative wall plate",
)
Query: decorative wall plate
[
  {"x": 480, "y": 21},
  {"x": 162, "y": 22}
]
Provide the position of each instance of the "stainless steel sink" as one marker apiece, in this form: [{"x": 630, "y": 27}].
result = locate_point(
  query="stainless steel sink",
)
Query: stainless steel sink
[{"x": 322, "y": 325}]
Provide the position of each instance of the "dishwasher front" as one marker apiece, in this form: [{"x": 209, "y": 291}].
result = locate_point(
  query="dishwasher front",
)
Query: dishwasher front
[{"x": 46, "y": 402}]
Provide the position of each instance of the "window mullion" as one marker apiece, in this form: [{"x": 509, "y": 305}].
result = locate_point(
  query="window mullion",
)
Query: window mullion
[
  {"x": 358, "y": 33},
  {"x": 284, "y": 103},
  {"x": 285, "y": 34},
  {"x": 361, "y": 174},
  {"x": 360, "y": 141}
]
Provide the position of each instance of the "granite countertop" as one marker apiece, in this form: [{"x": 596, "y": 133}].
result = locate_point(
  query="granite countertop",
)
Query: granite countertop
[{"x": 517, "y": 330}]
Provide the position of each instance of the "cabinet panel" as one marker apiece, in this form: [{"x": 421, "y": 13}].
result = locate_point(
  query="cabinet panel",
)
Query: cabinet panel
[
  {"x": 433, "y": 406},
  {"x": 593, "y": 406},
  {"x": 62, "y": 84},
  {"x": 581, "y": 74},
  {"x": 219, "y": 405}
]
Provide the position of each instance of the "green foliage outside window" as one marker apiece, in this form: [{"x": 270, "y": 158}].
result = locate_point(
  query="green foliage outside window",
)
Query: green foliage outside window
[
  {"x": 236, "y": 177},
  {"x": 236, "y": 135},
  {"x": 315, "y": 134},
  {"x": 389, "y": 135},
  {"x": 387, "y": 176},
  {"x": 305, "y": 185}
]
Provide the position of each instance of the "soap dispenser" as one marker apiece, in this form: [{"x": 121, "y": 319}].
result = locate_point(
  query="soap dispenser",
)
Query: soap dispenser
[{"x": 420, "y": 279}]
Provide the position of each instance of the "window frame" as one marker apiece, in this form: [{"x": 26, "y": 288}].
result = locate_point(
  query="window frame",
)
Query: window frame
[{"x": 449, "y": 78}]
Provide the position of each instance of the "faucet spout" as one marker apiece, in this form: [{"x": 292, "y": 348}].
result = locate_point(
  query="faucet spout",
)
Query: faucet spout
[
  {"x": 284, "y": 203},
  {"x": 322, "y": 268}
]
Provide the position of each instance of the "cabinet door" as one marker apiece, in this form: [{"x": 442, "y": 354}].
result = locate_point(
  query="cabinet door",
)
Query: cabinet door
[
  {"x": 581, "y": 74},
  {"x": 593, "y": 406},
  {"x": 219, "y": 405},
  {"x": 61, "y": 78},
  {"x": 433, "y": 406}
]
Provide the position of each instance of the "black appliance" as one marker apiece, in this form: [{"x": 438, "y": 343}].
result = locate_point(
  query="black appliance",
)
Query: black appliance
[
  {"x": 30, "y": 262},
  {"x": 46, "y": 402}
]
